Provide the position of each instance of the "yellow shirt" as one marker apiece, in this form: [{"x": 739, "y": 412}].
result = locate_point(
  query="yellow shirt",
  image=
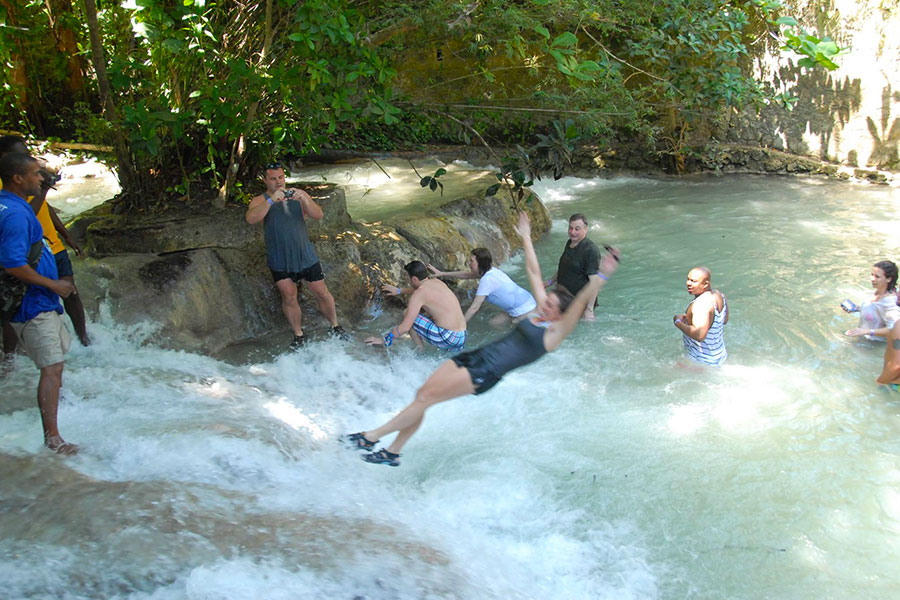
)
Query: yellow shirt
[{"x": 43, "y": 215}]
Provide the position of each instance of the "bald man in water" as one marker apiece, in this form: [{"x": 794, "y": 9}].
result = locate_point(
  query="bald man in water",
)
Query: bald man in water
[
  {"x": 890, "y": 372},
  {"x": 702, "y": 324}
]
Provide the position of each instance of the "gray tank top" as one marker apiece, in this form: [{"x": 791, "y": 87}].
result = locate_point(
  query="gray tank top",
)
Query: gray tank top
[
  {"x": 288, "y": 247},
  {"x": 521, "y": 346}
]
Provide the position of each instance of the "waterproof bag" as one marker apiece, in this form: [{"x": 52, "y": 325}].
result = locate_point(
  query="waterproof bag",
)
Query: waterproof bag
[{"x": 12, "y": 289}]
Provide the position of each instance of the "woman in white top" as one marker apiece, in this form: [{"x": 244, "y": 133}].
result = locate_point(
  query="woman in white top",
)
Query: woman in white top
[
  {"x": 877, "y": 316},
  {"x": 495, "y": 286}
]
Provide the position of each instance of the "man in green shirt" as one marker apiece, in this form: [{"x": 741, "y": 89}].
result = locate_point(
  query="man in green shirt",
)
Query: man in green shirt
[{"x": 580, "y": 259}]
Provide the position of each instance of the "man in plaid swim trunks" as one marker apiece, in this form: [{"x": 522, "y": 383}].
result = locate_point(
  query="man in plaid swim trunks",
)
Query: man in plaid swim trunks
[{"x": 445, "y": 328}]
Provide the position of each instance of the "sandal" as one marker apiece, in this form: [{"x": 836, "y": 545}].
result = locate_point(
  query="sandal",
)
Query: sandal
[
  {"x": 358, "y": 441},
  {"x": 382, "y": 457}
]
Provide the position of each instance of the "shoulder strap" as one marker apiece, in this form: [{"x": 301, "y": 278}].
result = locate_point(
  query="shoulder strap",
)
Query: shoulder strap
[{"x": 34, "y": 253}]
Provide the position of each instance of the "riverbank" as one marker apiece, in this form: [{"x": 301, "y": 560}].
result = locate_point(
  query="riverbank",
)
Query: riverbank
[{"x": 595, "y": 161}]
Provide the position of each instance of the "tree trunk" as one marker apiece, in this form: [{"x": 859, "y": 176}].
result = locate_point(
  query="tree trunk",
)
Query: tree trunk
[
  {"x": 67, "y": 46},
  {"x": 128, "y": 178},
  {"x": 237, "y": 149},
  {"x": 18, "y": 74}
]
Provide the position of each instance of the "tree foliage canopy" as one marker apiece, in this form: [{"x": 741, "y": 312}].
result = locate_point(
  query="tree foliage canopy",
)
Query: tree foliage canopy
[{"x": 206, "y": 90}]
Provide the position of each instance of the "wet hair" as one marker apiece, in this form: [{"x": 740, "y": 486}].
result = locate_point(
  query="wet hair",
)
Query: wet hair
[
  {"x": 578, "y": 216},
  {"x": 417, "y": 268},
  {"x": 565, "y": 298},
  {"x": 8, "y": 142},
  {"x": 890, "y": 271},
  {"x": 484, "y": 260},
  {"x": 14, "y": 163}
]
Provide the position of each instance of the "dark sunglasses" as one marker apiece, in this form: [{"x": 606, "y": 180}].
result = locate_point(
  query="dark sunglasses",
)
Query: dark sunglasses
[{"x": 274, "y": 165}]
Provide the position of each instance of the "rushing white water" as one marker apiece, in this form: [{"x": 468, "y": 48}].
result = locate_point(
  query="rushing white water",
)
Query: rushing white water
[
  {"x": 82, "y": 186},
  {"x": 605, "y": 470}
]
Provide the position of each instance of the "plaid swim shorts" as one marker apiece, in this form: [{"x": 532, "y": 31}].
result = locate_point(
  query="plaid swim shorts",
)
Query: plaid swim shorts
[{"x": 438, "y": 336}]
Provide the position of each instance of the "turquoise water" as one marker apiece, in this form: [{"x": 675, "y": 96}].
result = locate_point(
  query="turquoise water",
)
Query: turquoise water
[{"x": 605, "y": 470}]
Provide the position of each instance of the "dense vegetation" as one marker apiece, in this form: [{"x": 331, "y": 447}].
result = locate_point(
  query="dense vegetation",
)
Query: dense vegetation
[{"x": 195, "y": 94}]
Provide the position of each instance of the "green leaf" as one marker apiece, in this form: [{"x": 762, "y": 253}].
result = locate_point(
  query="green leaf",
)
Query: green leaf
[
  {"x": 786, "y": 21},
  {"x": 565, "y": 40},
  {"x": 433, "y": 184},
  {"x": 542, "y": 31},
  {"x": 492, "y": 190},
  {"x": 440, "y": 172},
  {"x": 825, "y": 62},
  {"x": 425, "y": 181},
  {"x": 828, "y": 48}
]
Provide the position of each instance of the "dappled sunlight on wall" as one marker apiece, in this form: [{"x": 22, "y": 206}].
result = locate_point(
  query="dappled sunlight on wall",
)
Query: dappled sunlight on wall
[{"x": 849, "y": 115}]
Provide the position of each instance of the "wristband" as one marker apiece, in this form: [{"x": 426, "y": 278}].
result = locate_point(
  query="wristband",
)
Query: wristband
[
  {"x": 388, "y": 339},
  {"x": 602, "y": 276},
  {"x": 398, "y": 292},
  {"x": 679, "y": 321},
  {"x": 269, "y": 200},
  {"x": 872, "y": 332}
]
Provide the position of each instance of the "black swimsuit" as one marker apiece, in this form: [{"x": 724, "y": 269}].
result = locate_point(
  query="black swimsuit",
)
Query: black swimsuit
[{"x": 488, "y": 364}]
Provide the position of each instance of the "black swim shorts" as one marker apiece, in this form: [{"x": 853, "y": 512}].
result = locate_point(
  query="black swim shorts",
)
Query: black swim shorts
[
  {"x": 63, "y": 264},
  {"x": 482, "y": 377},
  {"x": 313, "y": 273}
]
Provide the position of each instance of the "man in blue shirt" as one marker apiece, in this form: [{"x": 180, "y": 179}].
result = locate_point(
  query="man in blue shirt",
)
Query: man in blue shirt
[{"x": 37, "y": 323}]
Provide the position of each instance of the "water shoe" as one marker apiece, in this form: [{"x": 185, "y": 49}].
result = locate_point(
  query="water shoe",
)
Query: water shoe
[
  {"x": 382, "y": 457},
  {"x": 357, "y": 441}
]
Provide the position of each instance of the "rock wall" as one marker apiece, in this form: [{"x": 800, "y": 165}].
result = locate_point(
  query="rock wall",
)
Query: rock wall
[
  {"x": 848, "y": 116},
  {"x": 200, "y": 276}
]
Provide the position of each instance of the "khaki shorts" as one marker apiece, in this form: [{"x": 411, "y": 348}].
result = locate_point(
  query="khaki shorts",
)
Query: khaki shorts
[{"x": 44, "y": 339}]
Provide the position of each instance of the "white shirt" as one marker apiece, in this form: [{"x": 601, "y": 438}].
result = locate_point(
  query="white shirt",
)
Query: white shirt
[
  {"x": 875, "y": 315},
  {"x": 504, "y": 293}
]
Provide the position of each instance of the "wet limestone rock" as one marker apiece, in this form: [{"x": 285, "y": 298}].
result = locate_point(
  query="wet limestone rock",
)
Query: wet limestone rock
[{"x": 199, "y": 276}]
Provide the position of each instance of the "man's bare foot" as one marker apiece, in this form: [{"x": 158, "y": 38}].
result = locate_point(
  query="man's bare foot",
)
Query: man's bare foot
[
  {"x": 85, "y": 340},
  {"x": 60, "y": 446},
  {"x": 588, "y": 314}
]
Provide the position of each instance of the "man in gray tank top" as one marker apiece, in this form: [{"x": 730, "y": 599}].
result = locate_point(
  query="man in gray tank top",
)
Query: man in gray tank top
[{"x": 290, "y": 255}]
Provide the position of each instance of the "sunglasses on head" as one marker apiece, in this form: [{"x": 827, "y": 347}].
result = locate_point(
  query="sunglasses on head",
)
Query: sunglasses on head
[{"x": 274, "y": 165}]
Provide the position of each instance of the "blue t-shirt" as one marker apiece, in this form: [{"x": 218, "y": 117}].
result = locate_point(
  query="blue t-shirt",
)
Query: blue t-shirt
[{"x": 19, "y": 229}]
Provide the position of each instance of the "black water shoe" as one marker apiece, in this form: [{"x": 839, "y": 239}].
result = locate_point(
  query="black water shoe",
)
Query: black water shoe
[
  {"x": 357, "y": 441},
  {"x": 382, "y": 457},
  {"x": 299, "y": 342}
]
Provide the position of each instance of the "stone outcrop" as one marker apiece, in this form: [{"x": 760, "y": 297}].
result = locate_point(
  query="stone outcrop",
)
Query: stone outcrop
[{"x": 200, "y": 276}]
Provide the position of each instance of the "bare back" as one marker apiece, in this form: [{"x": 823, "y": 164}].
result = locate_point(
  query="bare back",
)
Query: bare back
[{"x": 441, "y": 304}]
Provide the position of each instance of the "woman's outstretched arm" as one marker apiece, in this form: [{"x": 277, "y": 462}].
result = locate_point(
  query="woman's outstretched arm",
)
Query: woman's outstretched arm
[
  {"x": 452, "y": 274},
  {"x": 532, "y": 267}
]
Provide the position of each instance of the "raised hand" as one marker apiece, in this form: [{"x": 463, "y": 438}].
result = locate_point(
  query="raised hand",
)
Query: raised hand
[
  {"x": 610, "y": 261},
  {"x": 523, "y": 226}
]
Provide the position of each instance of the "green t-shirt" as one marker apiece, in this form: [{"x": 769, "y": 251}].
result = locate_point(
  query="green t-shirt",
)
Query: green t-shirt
[{"x": 576, "y": 264}]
